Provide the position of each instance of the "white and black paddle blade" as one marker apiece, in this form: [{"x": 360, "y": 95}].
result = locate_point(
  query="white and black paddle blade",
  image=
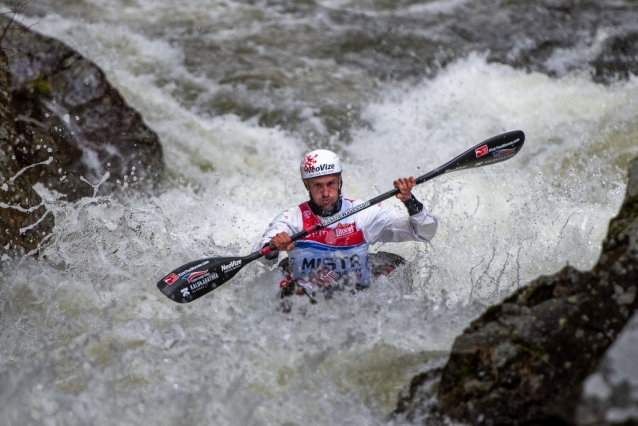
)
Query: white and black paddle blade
[
  {"x": 193, "y": 280},
  {"x": 494, "y": 150}
]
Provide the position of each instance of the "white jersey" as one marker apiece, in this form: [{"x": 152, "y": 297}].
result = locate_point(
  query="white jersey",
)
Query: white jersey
[{"x": 342, "y": 247}]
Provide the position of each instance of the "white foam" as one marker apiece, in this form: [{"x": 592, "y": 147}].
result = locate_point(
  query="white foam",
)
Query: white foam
[
  {"x": 432, "y": 7},
  {"x": 89, "y": 337},
  {"x": 505, "y": 224}
]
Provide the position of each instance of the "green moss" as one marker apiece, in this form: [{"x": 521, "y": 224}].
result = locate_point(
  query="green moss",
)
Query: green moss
[
  {"x": 536, "y": 347},
  {"x": 39, "y": 84},
  {"x": 465, "y": 371}
]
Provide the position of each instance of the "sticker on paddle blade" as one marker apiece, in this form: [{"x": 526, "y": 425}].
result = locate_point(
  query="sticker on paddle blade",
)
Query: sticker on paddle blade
[
  {"x": 481, "y": 151},
  {"x": 171, "y": 279},
  {"x": 195, "y": 279}
]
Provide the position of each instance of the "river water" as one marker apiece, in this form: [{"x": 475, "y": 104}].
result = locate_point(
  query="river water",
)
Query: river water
[{"x": 238, "y": 92}]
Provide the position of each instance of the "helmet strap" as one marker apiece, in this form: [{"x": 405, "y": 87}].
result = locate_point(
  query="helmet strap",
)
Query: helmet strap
[{"x": 316, "y": 209}]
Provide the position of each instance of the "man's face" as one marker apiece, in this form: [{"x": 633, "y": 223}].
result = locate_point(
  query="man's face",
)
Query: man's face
[{"x": 324, "y": 190}]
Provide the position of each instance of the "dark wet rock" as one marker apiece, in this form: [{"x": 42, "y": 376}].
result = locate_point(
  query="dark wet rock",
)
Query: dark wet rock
[
  {"x": 524, "y": 361},
  {"x": 24, "y": 220},
  {"x": 64, "y": 126},
  {"x": 66, "y": 110},
  {"x": 619, "y": 58},
  {"x": 610, "y": 395}
]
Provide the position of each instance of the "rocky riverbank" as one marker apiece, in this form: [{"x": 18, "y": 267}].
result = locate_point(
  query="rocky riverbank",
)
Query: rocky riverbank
[
  {"x": 525, "y": 361},
  {"x": 63, "y": 125},
  {"x": 24, "y": 219}
]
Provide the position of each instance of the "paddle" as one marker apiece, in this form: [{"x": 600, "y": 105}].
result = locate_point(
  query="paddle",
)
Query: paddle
[{"x": 193, "y": 280}]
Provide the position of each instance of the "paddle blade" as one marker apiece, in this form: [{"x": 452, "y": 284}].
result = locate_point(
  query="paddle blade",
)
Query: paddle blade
[
  {"x": 193, "y": 280},
  {"x": 494, "y": 150}
]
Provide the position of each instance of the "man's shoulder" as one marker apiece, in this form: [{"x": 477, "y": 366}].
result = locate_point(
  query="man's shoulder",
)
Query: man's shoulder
[{"x": 290, "y": 212}]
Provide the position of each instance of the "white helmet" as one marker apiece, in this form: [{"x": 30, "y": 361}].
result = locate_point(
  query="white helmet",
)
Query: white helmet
[{"x": 320, "y": 162}]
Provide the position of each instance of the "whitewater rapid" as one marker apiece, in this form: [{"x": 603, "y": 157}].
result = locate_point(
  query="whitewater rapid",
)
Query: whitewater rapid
[{"x": 86, "y": 338}]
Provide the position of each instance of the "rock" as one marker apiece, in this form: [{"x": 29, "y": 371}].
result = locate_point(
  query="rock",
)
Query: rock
[
  {"x": 632, "y": 184},
  {"x": 526, "y": 360},
  {"x": 66, "y": 109},
  {"x": 25, "y": 221},
  {"x": 62, "y": 125},
  {"x": 618, "y": 58},
  {"x": 610, "y": 395}
]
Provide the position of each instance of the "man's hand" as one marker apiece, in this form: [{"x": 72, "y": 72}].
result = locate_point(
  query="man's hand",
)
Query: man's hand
[
  {"x": 282, "y": 241},
  {"x": 405, "y": 186}
]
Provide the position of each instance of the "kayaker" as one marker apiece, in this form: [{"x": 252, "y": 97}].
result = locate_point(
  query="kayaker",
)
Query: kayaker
[{"x": 340, "y": 251}]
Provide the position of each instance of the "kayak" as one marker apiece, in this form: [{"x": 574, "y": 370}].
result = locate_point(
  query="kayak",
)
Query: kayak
[{"x": 381, "y": 263}]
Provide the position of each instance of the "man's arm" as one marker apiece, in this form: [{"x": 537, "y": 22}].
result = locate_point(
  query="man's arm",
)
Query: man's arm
[
  {"x": 385, "y": 224},
  {"x": 280, "y": 229},
  {"x": 405, "y": 185}
]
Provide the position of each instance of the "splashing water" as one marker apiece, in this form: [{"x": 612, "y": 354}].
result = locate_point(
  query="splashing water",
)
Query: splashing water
[{"x": 87, "y": 338}]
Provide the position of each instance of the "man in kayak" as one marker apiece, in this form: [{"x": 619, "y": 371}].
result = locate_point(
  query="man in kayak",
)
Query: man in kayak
[{"x": 340, "y": 251}]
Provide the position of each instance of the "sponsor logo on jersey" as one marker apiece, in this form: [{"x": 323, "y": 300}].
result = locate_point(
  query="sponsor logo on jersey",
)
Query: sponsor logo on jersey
[
  {"x": 481, "y": 151},
  {"x": 171, "y": 279},
  {"x": 331, "y": 263},
  {"x": 192, "y": 275},
  {"x": 232, "y": 265},
  {"x": 343, "y": 230}
]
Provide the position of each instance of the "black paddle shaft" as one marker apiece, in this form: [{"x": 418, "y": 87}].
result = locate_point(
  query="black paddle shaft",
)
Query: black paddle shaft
[{"x": 195, "y": 279}]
